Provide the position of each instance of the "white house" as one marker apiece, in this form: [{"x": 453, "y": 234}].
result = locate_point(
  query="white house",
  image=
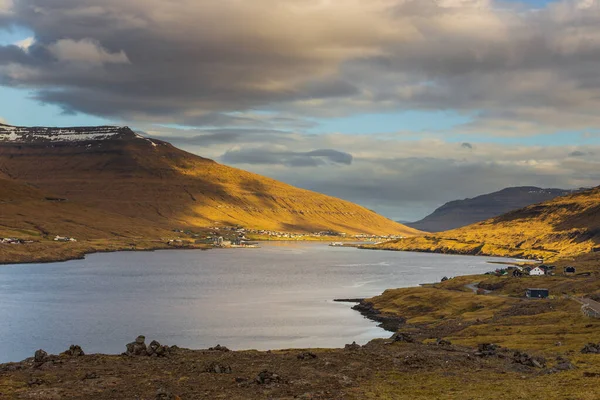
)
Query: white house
[{"x": 537, "y": 271}]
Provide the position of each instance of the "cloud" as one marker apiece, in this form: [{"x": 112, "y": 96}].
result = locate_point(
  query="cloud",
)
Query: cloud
[
  {"x": 579, "y": 153},
  {"x": 86, "y": 51},
  {"x": 269, "y": 155},
  {"x": 514, "y": 71},
  {"x": 6, "y": 7}
]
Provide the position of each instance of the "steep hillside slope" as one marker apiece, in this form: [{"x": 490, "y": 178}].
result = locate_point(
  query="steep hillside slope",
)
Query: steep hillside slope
[
  {"x": 564, "y": 227},
  {"x": 459, "y": 213},
  {"x": 119, "y": 172}
]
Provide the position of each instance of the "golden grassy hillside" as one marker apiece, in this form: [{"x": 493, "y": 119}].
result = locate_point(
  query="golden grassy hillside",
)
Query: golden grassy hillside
[
  {"x": 564, "y": 227},
  {"x": 153, "y": 181}
]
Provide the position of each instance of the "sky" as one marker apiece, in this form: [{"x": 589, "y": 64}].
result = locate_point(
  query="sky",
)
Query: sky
[{"x": 398, "y": 105}]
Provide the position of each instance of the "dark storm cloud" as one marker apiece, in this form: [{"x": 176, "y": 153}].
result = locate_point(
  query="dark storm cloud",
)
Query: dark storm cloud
[
  {"x": 515, "y": 71},
  {"x": 268, "y": 156}
]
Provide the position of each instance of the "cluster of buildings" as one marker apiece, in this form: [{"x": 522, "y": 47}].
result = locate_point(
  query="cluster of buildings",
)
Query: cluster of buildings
[{"x": 539, "y": 270}]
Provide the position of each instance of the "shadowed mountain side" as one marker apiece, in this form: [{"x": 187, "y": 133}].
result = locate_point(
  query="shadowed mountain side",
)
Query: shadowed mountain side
[
  {"x": 564, "y": 227},
  {"x": 459, "y": 213},
  {"x": 153, "y": 181},
  {"x": 29, "y": 214}
]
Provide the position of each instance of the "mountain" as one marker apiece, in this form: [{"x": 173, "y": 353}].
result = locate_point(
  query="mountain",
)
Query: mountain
[
  {"x": 566, "y": 226},
  {"x": 155, "y": 186},
  {"x": 459, "y": 213}
]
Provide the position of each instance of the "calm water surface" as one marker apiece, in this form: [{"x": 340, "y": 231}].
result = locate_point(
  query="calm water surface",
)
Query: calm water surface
[{"x": 278, "y": 296}]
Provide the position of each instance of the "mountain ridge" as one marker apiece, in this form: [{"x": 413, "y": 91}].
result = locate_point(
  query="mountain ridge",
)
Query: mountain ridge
[
  {"x": 116, "y": 171},
  {"x": 565, "y": 227},
  {"x": 459, "y": 213}
]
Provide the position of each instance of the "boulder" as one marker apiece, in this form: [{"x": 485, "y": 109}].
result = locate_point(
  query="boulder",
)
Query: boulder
[
  {"x": 219, "y": 348},
  {"x": 155, "y": 349},
  {"x": 74, "y": 351},
  {"x": 41, "y": 356},
  {"x": 137, "y": 348},
  {"x": 487, "y": 350},
  {"x": 35, "y": 382},
  {"x": 266, "y": 377},
  {"x": 216, "y": 368},
  {"x": 164, "y": 394},
  {"x": 442, "y": 342},
  {"x": 352, "y": 347},
  {"x": 591, "y": 348},
  {"x": 402, "y": 337},
  {"x": 307, "y": 355},
  {"x": 527, "y": 360}
]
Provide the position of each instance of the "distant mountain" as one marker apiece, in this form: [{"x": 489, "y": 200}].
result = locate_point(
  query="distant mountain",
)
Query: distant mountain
[
  {"x": 566, "y": 226},
  {"x": 147, "y": 182},
  {"x": 458, "y": 213}
]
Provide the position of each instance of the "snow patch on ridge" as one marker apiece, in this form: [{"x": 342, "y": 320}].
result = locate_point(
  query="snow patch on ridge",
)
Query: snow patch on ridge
[{"x": 78, "y": 134}]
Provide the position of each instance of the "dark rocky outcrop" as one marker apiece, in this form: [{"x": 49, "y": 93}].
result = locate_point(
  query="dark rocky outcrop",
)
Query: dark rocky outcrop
[
  {"x": 591, "y": 348},
  {"x": 487, "y": 350},
  {"x": 266, "y": 377},
  {"x": 219, "y": 348},
  {"x": 527, "y": 360},
  {"x": 217, "y": 368},
  {"x": 388, "y": 322},
  {"x": 402, "y": 337},
  {"x": 74, "y": 351},
  {"x": 41, "y": 356},
  {"x": 307, "y": 355},
  {"x": 139, "y": 348},
  {"x": 164, "y": 394},
  {"x": 352, "y": 347}
]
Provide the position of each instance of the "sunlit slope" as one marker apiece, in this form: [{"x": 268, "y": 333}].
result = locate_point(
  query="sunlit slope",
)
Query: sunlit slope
[
  {"x": 565, "y": 226},
  {"x": 154, "y": 181}
]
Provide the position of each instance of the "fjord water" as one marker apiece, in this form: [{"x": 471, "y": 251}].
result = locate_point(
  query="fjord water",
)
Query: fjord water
[{"x": 277, "y": 296}]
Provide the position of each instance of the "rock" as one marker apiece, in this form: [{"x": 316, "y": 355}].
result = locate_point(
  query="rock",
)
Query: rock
[
  {"x": 564, "y": 364},
  {"x": 487, "y": 350},
  {"x": 591, "y": 375},
  {"x": 164, "y": 394},
  {"x": 591, "y": 348},
  {"x": 137, "y": 348},
  {"x": 41, "y": 356},
  {"x": 527, "y": 360},
  {"x": 267, "y": 377},
  {"x": 74, "y": 351},
  {"x": 352, "y": 346},
  {"x": 216, "y": 368},
  {"x": 402, "y": 337},
  {"x": 306, "y": 356},
  {"x": 35, "y": 382},
  {"x": 442, "y": 342},
  {"x": 219, "y": 348},
  {"x": 155, "y": 349},
  {"x": 90, "y": 375}
]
